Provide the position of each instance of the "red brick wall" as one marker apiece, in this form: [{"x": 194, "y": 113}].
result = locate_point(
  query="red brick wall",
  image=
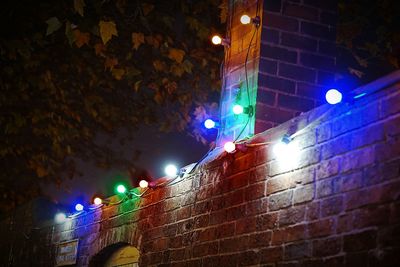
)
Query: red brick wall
[
  {"x": 297, "y": 58},
  {"x": 338, "y": 205}
]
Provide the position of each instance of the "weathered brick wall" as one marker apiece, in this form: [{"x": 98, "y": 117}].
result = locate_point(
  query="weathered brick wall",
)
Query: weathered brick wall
[
  {"x": 338, "y": 204},
  {"x": 298, "y": 58}
]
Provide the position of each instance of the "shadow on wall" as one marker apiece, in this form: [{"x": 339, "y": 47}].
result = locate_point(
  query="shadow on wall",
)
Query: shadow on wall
[{"x": 119, "y": 254}]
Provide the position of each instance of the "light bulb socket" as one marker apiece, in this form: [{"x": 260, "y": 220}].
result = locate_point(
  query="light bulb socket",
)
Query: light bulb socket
[
  {"x": 286, "y": 139},
  {"x": 249, "y": 110},
  {"x": 226, "y": 42},
  {"x": 256, "y": 21}
]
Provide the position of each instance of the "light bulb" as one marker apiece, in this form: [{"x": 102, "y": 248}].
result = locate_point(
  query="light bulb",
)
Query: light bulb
[
  {"x": 78, "y": 207},
  {"x": 171, "y": 170},
  {"x": 229, "y": 147},
  {"x": 333, "y": 96},
  {"x": 209, "y": 124},
  {"x": 143, "y": 184},
  {"x": 60, "y": 217},
  {"x": 97, "y": 201},
  {"x": 121, "y": 189},
  {"x": 216, "y": 40},
  {"x": 237, "y": 109},
  {"x": 245, "y": 19}
]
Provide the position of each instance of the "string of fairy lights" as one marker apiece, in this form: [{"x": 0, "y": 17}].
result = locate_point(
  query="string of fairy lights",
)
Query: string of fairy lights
[{"x": 284, "y": 148}]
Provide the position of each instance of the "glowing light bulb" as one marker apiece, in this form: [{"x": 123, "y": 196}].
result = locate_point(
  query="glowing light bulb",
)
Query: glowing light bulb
[
  {"x": 171, "y": 170},
  {"x": 121, "y": 189},
  {"x": 216, "y": 40},
  {"x": 245, "y": 19},
  {"x": 229, "y": 147},
  {"x": 78, "y": 207},
  {"x": 237, "y": 109},
  {"x": 60, "y": 217},
  {"x": 333, "y": 96},
  {"x": 209, "y": 124},
  {"x": 143, "y": 184},
  {"x": 97, "y": 201}
]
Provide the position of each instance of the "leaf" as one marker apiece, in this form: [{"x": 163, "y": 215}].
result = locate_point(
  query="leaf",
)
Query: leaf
[
  {"x": 158, "y": 98},
  {"x": 81, "y": 38},
  {"x": 362, "y": 62},
  {"x": 118, "y": 73},
  {"x": 187, "y": 66},
  {"x": 79, "y": 6},
  {"x": 41, "y": 171},
  {"x": 176, "y": 54},
  {"x": 159, "y": 65},
  {"x": 137, "y": 39},
  {"x": 153, "y": 41},
  {"x": 223, "y": 11},
  {"x": 99, "y": 48},
  {"x": 107, "y": 30},
  {"x": 147, "y": 8},
  {"x": 68, "y": 32},
  {"x": 355, "y": 72},
  {"x": 110, "y": 63},
  {"x": 177, "y": 70},
  {"x": 53, "y": 24},
  {"x": 136, "y": 86}
]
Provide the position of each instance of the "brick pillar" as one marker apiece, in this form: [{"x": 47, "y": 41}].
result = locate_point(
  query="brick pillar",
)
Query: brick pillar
[
  {"x": 290, "y": 63},
  {"x": 245, "y": 43},
  {"x": 297, "y": 61}
]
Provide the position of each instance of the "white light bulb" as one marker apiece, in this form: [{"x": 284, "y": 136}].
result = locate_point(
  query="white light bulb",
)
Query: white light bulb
[
  {"x": 333, "y": 96},
  {"x": 245, "y": 19},
  {"x": 209, "y": 123},
  {"x": 143, "y": 184},
  {"x": 216, "y": 40},
  {"x": 237, "y": 109},
  {"x": 229, "y": 147},
  {"x": 97, "y": 201},
  {"x": 79, "y": 207},
  {"x": 171, "y": 170},
  {"x": 60, "y": 217}
]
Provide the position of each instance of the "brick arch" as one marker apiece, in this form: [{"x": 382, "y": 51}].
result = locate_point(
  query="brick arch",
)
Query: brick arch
[
  {"x": 111, "y": 240},
  {"x": 104, "y": 254}
]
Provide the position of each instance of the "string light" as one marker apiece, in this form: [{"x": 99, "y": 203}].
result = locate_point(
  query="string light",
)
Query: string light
[
  {"x": 333, "y": 96},
  {"x": 79, "y": 207},
  {"x": 143, "y": 184},
  {"x": 229, "y": 147},
  {"x": 60, "y": 217}
]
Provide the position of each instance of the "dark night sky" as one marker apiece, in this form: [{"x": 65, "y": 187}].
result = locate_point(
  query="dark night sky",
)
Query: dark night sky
[{"x": 158, "y": 149}]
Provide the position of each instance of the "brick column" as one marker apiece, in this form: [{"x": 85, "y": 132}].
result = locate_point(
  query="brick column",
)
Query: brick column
[
  {"x": 245, "y": 43},
  {"x": 290, "y": 62},
  {"x": 297, "y": 58}
]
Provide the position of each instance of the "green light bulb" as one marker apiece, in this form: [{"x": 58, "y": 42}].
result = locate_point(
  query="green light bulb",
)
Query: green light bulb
[{"x": 121, "y": 189}]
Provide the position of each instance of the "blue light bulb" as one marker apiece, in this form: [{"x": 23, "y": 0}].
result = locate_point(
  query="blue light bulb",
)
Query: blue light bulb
[
  {"x": 209, "y": 124},
  {"x": 333, "y": 96}
]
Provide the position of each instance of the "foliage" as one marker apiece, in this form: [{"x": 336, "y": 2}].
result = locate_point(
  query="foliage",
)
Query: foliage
[
  {"x": 75, "y": 68},
  {"x": 368, "y": 32}
]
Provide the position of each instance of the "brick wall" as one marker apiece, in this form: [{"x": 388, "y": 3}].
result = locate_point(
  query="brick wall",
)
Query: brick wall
[
  {"x": 336, "y": 204},
  {"x": 298, "y": 58}
]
